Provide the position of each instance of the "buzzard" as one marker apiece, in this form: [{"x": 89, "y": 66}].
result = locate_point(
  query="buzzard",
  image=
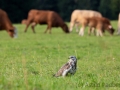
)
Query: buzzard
[{"x": 68, "y": 68}]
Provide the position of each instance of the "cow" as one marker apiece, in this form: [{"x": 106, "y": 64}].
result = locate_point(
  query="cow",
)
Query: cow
[
  {"x": 6, "y": 24},
  {"x": 119, "y": 23},
  {"x": 76, "y": 14},
  {"x": 99, "y": 23},
  {"x": 51, "y": 18}
]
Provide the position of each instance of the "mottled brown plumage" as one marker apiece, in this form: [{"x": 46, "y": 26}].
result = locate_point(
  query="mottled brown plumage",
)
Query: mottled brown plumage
[{"x": 69, "y": 67}]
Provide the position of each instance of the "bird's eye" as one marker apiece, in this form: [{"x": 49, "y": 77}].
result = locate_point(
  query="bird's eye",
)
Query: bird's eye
[{"x": 72, "y": 56}]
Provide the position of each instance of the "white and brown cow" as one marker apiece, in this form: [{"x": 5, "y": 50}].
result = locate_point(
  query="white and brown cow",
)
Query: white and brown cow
[
  {"x": 99, "y": 23},
  {"x": 77, "y": 14},
  {"x": 6, "y": 24}
]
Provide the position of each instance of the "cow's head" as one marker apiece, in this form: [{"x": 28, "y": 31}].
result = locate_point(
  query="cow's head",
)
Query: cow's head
[
  {"x": 13, "y": 32},
  {"x": 65, "y": 28},
  {"x": 111, "y": 29}
]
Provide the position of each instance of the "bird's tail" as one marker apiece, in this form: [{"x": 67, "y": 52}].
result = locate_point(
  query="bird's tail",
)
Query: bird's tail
[{"x": 55, "y": 75}]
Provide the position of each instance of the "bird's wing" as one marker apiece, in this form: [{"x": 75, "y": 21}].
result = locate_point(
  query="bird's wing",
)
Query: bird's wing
[
  {"x": 60, "y": 72},
  {"x": 66, "y": 70}
]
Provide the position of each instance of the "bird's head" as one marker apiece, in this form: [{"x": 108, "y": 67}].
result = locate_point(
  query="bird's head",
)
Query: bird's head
[{"x": 72, "y": 58}]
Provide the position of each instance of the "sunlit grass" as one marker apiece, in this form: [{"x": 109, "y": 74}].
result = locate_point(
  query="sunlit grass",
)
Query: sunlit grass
[{"x": 29, "y": 62}]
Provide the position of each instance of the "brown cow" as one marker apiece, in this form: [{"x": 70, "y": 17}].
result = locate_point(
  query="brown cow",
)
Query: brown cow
[
  {"x": 51, "y": 18},
  {"x": 100, "y": 23},
  {"x": 5, "y": 24}
]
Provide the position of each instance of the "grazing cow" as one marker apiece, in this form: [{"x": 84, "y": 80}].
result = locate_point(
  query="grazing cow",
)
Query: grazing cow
[
  {"x": 24, "y": 21},
  {"x": 76, "y": 14},
  {"x": 5, "y": 24},
  {"x": 99, "y": 23},
  {"x": 69, "y": 67},
  {"x": 119, "y": 23},
  {"x": 51, "y": 18}
]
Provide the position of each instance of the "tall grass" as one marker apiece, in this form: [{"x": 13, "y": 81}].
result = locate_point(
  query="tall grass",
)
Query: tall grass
[{"x": 29, "y": 62}]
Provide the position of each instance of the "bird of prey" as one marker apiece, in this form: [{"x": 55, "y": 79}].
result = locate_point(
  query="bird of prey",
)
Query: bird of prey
[{"x": 69, "y": 67}]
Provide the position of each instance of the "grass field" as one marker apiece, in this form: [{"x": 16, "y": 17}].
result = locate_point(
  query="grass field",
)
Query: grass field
[{"x": 28, "y": 62}]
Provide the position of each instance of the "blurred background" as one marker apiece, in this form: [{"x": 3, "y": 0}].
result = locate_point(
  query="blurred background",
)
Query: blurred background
[{"x": 18, "y": 9}]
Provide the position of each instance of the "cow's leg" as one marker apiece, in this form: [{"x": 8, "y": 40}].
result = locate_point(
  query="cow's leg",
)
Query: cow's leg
[
  {"x": 99, "y": 32},
  {"x": 118, "y": 30},
  {"x": 27, "y": 25},
  {"x": 93, "y": 30},
  {"x": 46, "y": 29},
  {"x": 49, "y": 30},
  {"x": 81, "y": 32},
  {"x": 71, "y": 26},
  {"x": 32, "y": 26},
  {"x": 49, "y": 27},
  {"x": 77, "y": 25},
  {"x": 89, "y": 31}
]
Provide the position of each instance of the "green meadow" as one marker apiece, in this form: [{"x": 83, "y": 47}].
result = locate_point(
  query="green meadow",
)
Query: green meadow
[{"x": 29, "y": 61}]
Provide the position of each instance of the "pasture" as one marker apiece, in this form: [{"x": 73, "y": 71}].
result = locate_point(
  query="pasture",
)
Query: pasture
[{"x": 28, "y": 62}]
